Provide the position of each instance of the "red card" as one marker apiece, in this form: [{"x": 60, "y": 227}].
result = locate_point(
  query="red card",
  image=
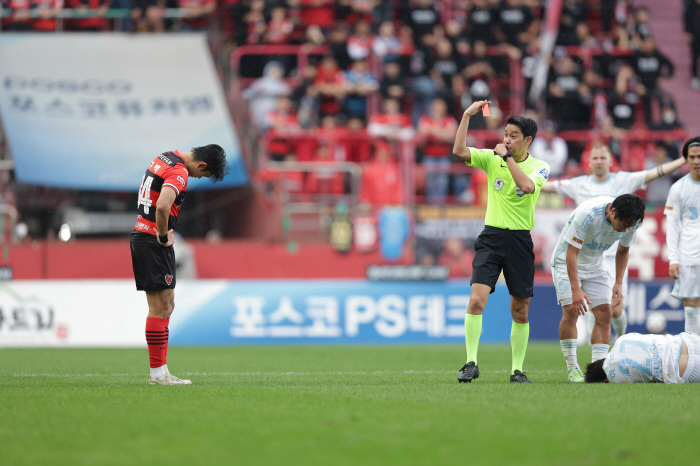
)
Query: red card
[{"x": 485, "y": 110}]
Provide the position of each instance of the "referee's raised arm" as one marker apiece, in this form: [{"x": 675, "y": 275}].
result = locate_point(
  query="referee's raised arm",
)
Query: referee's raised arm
[{"x": 460, "y": 149}]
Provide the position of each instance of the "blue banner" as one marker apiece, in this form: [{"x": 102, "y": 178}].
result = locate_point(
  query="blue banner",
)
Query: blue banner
[{"x": 362, "y": 312}]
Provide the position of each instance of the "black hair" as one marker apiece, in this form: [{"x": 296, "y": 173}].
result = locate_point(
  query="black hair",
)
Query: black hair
[
  {"x": 595, "y": 373},
  {"x": 215, "y": 158},
  {"x": 526, "y": 125},
  {"x": 687, "y": 144},
  {"x": 629, "y": 208}
]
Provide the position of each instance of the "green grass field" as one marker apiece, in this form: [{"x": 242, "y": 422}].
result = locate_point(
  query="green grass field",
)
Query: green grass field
[{"x": 380, "y": 405}]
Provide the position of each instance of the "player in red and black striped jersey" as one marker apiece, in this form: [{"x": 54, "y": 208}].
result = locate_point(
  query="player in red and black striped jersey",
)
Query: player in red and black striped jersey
[{"x": 162, "y": 191}]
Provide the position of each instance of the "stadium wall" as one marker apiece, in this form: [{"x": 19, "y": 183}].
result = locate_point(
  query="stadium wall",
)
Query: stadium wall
[{"x": 111, "y": 313}]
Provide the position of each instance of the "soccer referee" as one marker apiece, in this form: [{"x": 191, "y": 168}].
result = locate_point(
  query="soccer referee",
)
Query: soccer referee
[{"x": 515, "y": 179}]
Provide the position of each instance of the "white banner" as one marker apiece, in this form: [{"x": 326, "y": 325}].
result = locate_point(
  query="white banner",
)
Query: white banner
[{"x": 90, "y": 111}]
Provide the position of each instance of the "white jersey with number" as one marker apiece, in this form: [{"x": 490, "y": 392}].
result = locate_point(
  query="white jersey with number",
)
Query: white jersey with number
[
  {"x": 683, "y": 222},
  {"x": 585, "y": 187},
  {"x": 644, "y": 358},
  {"x": 589, "y": 231}
]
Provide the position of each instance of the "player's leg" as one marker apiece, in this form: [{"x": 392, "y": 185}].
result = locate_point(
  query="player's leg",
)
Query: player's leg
[
  {"x": 568, "y": 331},
  {"x": 599, "y": 290},
  {"x": 619, "y": 315},
  {"x": 687, "y": 288},
  {"x": 486, "y": 270},
  {"x": 159, "y": 309},
  {"x": 600, "y": 337},
  {"x": 519, "y": 272},
  {"x": 691, "y": 372}
]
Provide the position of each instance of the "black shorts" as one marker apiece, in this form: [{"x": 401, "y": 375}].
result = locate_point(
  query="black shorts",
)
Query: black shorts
[
  {"x": 154, "y": 265},
  {"x": 507, "y": 250}
]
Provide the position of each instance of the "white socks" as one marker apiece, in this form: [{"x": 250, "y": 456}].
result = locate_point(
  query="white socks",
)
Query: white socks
[
  {"x": 600, "y": 351},
  {"x": 692, "y": 319},
  {"x": 619, "y": 324},
  {"x": 158, "y": 372},
  {"x": 568, "y": 347}
]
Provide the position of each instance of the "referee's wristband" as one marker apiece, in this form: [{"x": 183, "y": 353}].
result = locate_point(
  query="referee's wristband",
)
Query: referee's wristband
[
  {"x": 508, "y": 154},
  {"x": 163, "y": 239}
]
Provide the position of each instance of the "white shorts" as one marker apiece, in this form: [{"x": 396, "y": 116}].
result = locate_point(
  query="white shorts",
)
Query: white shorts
[
  {"x": 688, "y": 286},
  {"x": 596, "y": 284},
  {"x": 609, "y": 262},
  {"x": 692, "y": 370}
]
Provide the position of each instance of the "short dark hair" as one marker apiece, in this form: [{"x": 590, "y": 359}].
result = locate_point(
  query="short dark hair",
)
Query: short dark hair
[
  {"x": 526, "y": 125},
  {"x": 629, "y": 208},
  {"x": 215, "y": 158},
  {"x": 595, "y": 373},
  {"x": 687, "y": 145}
]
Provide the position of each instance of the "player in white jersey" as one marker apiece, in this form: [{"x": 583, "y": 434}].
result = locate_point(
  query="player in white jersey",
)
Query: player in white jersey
[
  {"x": 683, "y": 234},
  {"x": 636, "y": 358},
  {"x": 604, "y": 183},
  {"x": 579, "y": 272}
]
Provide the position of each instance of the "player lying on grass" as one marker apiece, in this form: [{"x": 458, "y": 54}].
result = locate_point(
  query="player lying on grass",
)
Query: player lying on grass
[
  {"x": 637, "y": 358},
  {"x": 579, "y": 273}
]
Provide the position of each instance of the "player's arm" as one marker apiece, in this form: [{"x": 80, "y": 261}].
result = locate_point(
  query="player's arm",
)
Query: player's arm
[
  {"x": 621, "y": 259},
  {"x": 664, "y": 169},
  {"x": 460, "y": 148},
  {"x": 523, "y": 181},
  {"x": 579, "y": 297},
  {"x": 548, "y": 187},
  {"x": 165, "y": 202}
]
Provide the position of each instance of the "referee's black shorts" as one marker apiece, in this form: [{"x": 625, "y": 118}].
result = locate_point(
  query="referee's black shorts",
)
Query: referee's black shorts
[
  {"x": 154, "y": 265},
  {"x": 507, "y": 250}
]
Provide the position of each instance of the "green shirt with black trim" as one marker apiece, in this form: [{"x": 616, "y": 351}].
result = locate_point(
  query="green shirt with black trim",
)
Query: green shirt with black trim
[{"x": 508, "y": 207}]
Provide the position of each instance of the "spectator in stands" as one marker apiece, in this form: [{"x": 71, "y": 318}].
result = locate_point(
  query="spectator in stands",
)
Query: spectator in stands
[
  {"x": 573, "y": 13},
  {"x": 424, "y": 89},
  {"x": 381, "y": 178},
  {"x": 623, "y": 99},
  {"x": 359, "y": 84},
  {"x": 330, "y": 83},
  {"x": 514, "y": 19},
  {"x": 480, "y": 65},
  {"x": 360, "y": 42},
  {"x": 445, "y": 72},
  {"x": 147, "y": 15},
  {"x": 199, "y": 13},
  {"x": 356, "y": 141},
  {"x": 317, "y": 12},
  {"x": 457, "y": 36},
  {"x": 263, "y": 94},
  {"x": 280, "y": 26},
  {"x": 96, "y": 23},
  {"x": 692, "y": 35},
  {"x": 551, "y": 148},
  {"x": 339, "y": 46},
  {"x": 391, "y": 124},
  {"x": 329, "y": 134},
  {"x": 47, "y": 11},
  {"x": 436, "y": 133},
  {"x": 482, "y": 20},
  {"x": 393, "y": 83},
  {"x": 641, "y": 27},
  {"x": 325, "y": 179},
  {"x": 422, "y": 18},
  {"x": 307, "y": 98},
  {"x": 386, "y": 45},
  {"x": 255, "y": 23},
  {"x": 282, "y": 125},
  {"x": 570, "y": 98},
  {"x": 19, "y": 18},
  {"x": 652, "y": 68},
  {"x": 584, "y": 38}
]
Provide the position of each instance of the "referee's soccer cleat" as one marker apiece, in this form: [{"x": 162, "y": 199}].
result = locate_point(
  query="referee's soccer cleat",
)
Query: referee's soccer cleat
[
  {"x": 468, "y": 372},
  {"x": 519, "y": 377},
  {"x": 168, "y": 379},
  {"x": 576, "y": 376}
]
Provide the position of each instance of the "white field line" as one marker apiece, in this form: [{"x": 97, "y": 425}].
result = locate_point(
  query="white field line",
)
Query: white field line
[{"x": 256, "y": 374}]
